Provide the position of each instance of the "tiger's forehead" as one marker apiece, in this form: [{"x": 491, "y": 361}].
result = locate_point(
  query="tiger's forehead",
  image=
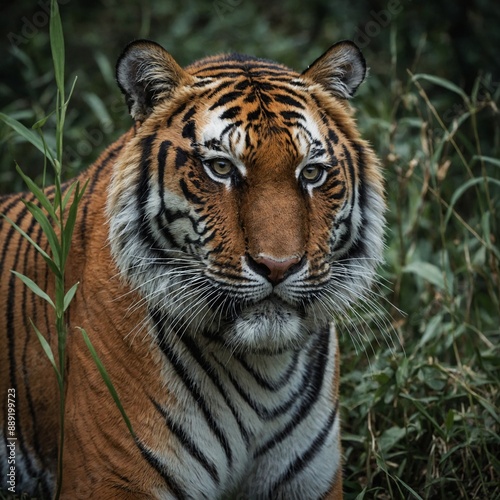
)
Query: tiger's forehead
[{"x": 245, "y": 103}]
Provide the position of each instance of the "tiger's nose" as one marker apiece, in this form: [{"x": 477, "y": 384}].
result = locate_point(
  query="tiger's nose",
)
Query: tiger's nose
[{"x": 273, "y": 269}]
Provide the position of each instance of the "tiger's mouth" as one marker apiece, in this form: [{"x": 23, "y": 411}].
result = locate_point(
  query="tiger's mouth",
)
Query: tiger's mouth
[
  {"x": 269, "y": 305},
  {"x": 270, "y": 324}
]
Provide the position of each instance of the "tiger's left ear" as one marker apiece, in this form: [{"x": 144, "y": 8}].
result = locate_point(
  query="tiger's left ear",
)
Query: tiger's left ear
[
  {"x": 147, "y": 74},
  {"x": 340, "y": 70}
]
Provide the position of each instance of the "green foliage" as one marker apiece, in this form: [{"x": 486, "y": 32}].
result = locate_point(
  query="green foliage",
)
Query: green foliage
[
  {"x": 422, "y": 420},
  {"x": 421, "y": 408}
]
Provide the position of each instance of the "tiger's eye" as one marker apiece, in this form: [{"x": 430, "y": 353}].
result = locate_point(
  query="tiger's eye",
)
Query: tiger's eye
[
  {"x": 220, "y": 167},
  {"x": 312, "y": 173}
]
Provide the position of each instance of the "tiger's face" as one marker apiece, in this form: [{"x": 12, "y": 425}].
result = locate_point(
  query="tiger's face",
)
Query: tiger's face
[{"x": 246, "y": 208}]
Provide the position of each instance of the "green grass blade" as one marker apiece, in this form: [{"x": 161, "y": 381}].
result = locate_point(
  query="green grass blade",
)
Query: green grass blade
[
  {"x": 68, "y": 297},
  {"x": 38, "y": 248},
  {"x": 107, "y": 381},
  {"x": 487, "y": 159},
  {"x": 442, "y": 83},
  {"x": 428, "y": 272},
  {"x": 47, "y": 228},
  {"x": 461, "y": 190},
  {"x": 39, "y": 194},
  {"x": 48, "y": 351},
  {"x": 34, "y": 287},
  {"x": 67, "y": 195},
  {"x": 57, "y": 46},
  {"x": 70, "y": 225},
  {"x": 26, "y": 133}
]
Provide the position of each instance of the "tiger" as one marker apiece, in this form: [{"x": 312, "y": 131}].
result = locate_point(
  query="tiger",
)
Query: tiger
[{"x": 217, "y": 244}]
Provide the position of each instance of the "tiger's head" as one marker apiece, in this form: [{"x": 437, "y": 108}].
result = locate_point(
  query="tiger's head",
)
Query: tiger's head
[{"x": 246, "y": 207}]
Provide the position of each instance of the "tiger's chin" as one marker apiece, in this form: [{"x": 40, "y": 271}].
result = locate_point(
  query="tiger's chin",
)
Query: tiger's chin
[{"x": 269, "y": 326}]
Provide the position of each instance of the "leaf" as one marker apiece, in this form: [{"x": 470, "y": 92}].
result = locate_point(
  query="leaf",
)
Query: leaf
[
  {"x": 57, "y": 46},
  {"x": 442, "y": 83},
  {"x": 27, "y": 134},
  {"x": 40, "y": 250},
  {"x": 39, "y": 194},
  {"x": 71, "y": 219},
  {"x": 461, "y": 190},
  {"x": 47, "y": 228},
  {"x": 426, "y": 271},
  {"x": 48, "y": 351},
  {"x": 487, "y": 159},
  {"x": 40, "y": 123},
  {"x": 390, "y": 437},
  {"x": 34, "y": 287},
  {"x": 68, "y": 194},
  {"x": 431, "y": 331},
  {"x": 70, "y": 224},
  {"x": 107, "y": 381},
  {"x": 68, "y": 297}
]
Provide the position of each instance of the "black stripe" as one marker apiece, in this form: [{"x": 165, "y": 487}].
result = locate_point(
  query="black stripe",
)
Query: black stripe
[
  {"x": 47, "y": 487},
  {"x": 230, "y": 113},
  {"x": 10, "y": 325},
  {"x": 162, "y": 160},
  {"x": 142, "y": 195},
  {"x": 189, "y": 114},
  {"x": 254, "y": 115},
  {"x": 263, "y": 412},
  {"x": 189, "y": 130},
  {"x": 301, "y": 462},
  {"x": 197, "y": 355},
  {"x": 88, "y": 198},
  {"x": 358, "y": 248},
  {"x": 189, "y": 444},
  {"x": 274, "y": 385},
  {"x": 163, "y": 228},
  {"x": 226, "y": 98},
  {"x": 310, "y": 394},
  {"x": 189, "y": 195},
  {"x": 181, "y": 157},
  {"x": 15, "y": 199},
  {"x": 230, "y": 126},
  {"x": 361, "y": 181},
  {"x": 28, "y": 249},
  {"x": 175, "y": 113},
  {"x": 291, "y": 115},
  {"x": 290, "y": 101},
  {"x": 172, "y": 484},
  {"x": 209, "y": 94},
  {"x": 183, "y": 374}
]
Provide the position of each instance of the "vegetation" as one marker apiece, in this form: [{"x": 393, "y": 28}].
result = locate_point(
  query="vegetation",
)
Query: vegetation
[{"x": 421, "y": 366}]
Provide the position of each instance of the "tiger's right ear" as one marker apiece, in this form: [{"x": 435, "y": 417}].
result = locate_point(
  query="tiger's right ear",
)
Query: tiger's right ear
[{"x": 147, "y": 74}]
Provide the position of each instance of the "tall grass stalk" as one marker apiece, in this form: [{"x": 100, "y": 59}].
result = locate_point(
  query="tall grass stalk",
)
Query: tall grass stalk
[{"x": 57, "y": 218}]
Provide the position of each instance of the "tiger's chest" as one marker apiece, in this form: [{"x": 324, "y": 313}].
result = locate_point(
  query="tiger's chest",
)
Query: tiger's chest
[{"x": 261, "y": 425}]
